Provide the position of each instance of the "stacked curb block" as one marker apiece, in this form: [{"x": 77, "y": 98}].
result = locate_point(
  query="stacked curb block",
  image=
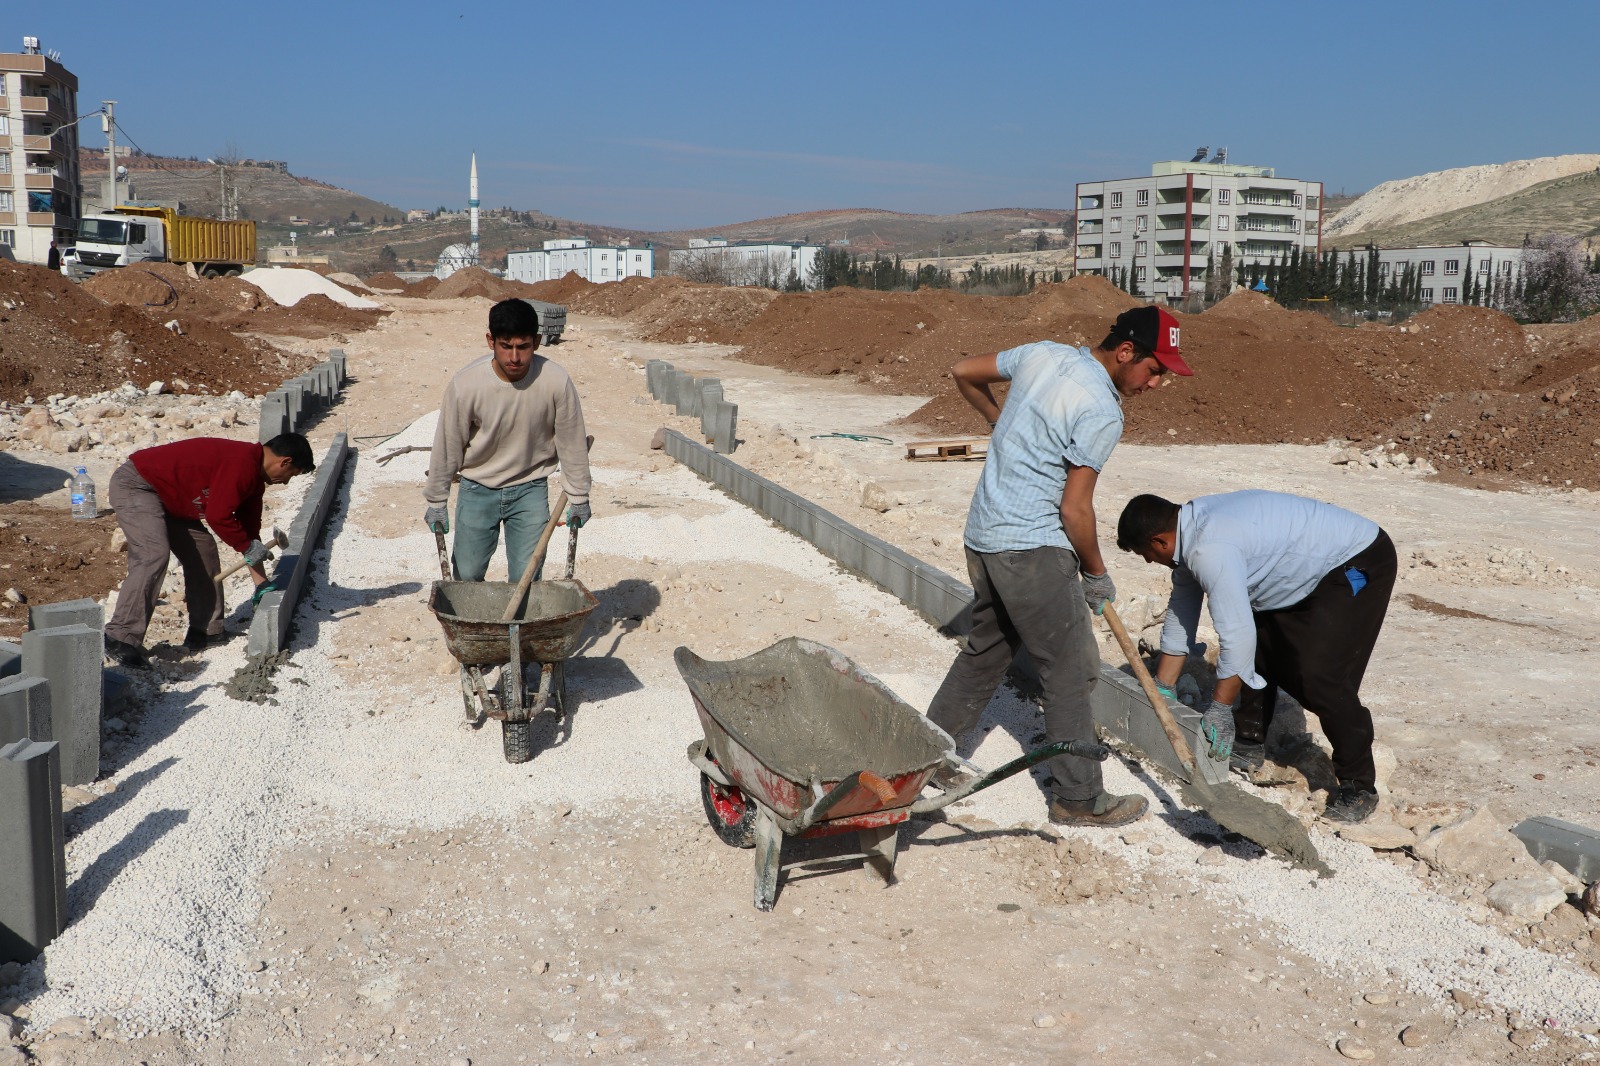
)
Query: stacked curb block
[
  {"x": 698, "y": 398},
  {"x": 291, "y": 405},
  {"x": 1120, "y": 706},
  {"x": 269, "y": 627}
]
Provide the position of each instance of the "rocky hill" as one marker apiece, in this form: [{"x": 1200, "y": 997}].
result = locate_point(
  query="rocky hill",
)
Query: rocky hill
[
  {"x": 1568, "y": 205},
  {"x": 1395, "y": 203}
]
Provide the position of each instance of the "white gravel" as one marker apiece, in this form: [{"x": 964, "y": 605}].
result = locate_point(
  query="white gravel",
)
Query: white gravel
[
  {"x": 289, "y": 285},
  {"x": 165, "y": 873}
]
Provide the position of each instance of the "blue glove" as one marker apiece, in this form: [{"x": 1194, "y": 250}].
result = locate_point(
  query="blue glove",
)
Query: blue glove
[
  {"x": 261, "y": 590},
  {"x": 437, "y": 519},
  {"x": 256, "y": 554},
  {"x": 1216, "y": 726},
  {"x": 1097, "y": 589},
  {"x": 578, "y": 514}
]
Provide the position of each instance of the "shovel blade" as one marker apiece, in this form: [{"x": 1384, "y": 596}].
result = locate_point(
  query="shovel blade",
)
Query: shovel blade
[{"x": 1257, "y": 819}]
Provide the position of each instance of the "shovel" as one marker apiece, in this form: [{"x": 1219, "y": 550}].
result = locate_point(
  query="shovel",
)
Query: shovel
[{"x": 1252, "y": 817}]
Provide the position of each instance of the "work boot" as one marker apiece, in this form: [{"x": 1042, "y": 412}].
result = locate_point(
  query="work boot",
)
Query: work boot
[
  {"x": 948, "y": 778},
  {"x": 1247, "y": 755},
  {"x": 124, "y": 654},
  {"x": 1104, "y": 810},
  {"x": 1351, "y": 804}
]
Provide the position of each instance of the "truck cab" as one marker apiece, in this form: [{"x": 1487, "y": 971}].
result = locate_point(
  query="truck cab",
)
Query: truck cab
[{"x": 116, "y": 240}]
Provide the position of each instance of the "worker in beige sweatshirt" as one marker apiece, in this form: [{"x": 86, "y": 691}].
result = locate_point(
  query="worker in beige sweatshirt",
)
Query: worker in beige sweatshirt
[{"x": 507, "y": 421}]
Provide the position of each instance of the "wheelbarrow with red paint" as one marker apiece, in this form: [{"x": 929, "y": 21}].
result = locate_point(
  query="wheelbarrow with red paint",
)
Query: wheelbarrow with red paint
[{"x": 801, "y": 742}]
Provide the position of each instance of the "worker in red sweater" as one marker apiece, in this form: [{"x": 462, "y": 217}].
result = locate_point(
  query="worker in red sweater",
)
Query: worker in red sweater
[{"x": 164, "y": 498}]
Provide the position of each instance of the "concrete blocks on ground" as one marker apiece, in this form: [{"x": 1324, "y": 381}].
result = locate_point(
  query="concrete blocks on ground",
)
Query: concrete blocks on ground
[
  {"x": 1119, "y": 704},
  {"x": 697, "y": 395},
  {"x": 682, "y": 389},
  {"x": 725, "y": 428},
  {"x": 274, "y": 415},
  {"x": 710, "y": 398},
  {"x": 71, "y": 659},
  {"x": 33, "y": 867},
  {"x": 288, "y": 408},
  {"x": 85, "y": 612},
  {"x": 24, "y": 710},
  {"x": 1573, "y": 846},
  {"x": 654, "y": 374},
  {"x": 10, "y": 658},
  {"x": 269, "y": 626}
]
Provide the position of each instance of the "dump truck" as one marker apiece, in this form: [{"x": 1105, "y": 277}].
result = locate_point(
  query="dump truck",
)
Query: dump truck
[{"x": 138, "y": 233}]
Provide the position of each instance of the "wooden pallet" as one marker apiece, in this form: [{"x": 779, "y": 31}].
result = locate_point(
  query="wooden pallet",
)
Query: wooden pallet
[{"x": 948, "y": 450}]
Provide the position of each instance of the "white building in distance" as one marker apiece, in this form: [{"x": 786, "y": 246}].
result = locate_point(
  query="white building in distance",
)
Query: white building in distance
[
  {"x": 578, "y": 255},
  {"x": 1166, "y": 228},
  {"x": 1442, "y": 270},
  {"x": 715, "y": 260}
]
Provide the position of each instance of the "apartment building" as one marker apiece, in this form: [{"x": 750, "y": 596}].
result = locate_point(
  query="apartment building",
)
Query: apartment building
[
  {"x": 579, "y": 255},
  {"x": 1445, "y": 272},
  {"x": 1169, "y": 228},
  {"x": 40, "y": 193},
  {"x": 715, "y": 259}
]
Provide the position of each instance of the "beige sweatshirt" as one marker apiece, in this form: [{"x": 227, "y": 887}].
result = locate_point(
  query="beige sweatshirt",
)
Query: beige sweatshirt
[{"x": 500, "y": 433}]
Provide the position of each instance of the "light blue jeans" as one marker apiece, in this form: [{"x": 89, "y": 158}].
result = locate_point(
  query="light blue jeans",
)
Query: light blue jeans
[{"x": 480, "y": 511}]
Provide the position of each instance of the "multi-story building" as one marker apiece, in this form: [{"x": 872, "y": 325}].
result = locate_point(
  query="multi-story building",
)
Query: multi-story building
[
  {"x": 715, "y": 259},
  {"x": 39, "y": 186},
  {"x": 1169, "y": 229},
  {"x": 581, "y": 256},
  {"x": 1444, "y": 273}
]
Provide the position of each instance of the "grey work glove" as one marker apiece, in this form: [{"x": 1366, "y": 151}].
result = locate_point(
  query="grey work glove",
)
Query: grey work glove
[
  {"x": 1216, "y": 726},
  {"x": 578, "y": 514},
  {"x": 1167, "y": 692},
  {"x": 256, "y": 554},
  {"x": 1097, "y": 589},
  {"x": 437, "y": 519}
]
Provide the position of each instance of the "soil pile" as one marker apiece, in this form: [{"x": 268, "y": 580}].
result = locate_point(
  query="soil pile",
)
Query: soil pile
[
  {"x": 422, "y": 287},
  {"x": 167, "y": 291},
  {"x": 58, "y": 337},
  {"x": 569, "y": 289},
  {"x": 476, "y": 281},
  {"x": 384, "y": 281}
]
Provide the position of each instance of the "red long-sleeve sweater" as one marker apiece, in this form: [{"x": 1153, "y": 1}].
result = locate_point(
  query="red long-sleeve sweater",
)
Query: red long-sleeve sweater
[{"x": 209, "y": 478}]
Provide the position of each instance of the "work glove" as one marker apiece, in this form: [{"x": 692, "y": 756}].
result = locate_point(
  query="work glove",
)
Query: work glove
[
  {"x": 1097, "y": 589},
  {"x": 1216, "y": 726},
  {"x": 437, "y": 519},
  {"x": 1167, "y": 693},
  {"x": 256, "y": 554},
  {"x": 577, "y": 515},
  {"x": 261, "y": 590}
]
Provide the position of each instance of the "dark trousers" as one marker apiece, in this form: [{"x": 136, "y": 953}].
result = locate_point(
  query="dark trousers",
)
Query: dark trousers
[
  {"x": 153, "y": 535},
  {"x": 1028, "y": 599},
  {"x": 1317, "y": 651}
]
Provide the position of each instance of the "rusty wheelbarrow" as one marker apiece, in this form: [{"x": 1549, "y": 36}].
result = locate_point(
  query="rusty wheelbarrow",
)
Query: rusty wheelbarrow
[
  {"x": 799, "y": 741},
  {"x": 546, "y": 631}
]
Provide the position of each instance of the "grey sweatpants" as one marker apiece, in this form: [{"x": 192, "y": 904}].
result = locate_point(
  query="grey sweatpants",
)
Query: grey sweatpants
[
  {"x": 1029, "y": 599},
  {"x": 153, "y": 535}
]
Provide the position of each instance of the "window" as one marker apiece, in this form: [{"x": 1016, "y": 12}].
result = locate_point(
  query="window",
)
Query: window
[
  {"x": 1224, "y": 196},
  {"x": 1294, "y": 225},
  {"x": 1296, "y": 199},
  {"x": 1427, "y": 296},
  {"x": 1141, "y": 247},
  {"x": 1144, "y": 223},
  {"x": 1116, "y": 197},
  {"x": 1452, "y": 266},
  {"x": 1138, "y": 274},
  {"x": 8, "y": 237},
  {"x": 638, "y": 257},
  {"x": 1312, "y": 202},
  {"x": 5, "y": 162},
  {"x": 1505, "y": 268},
  {"x": 1116, "y": 249},
  {"x": 1451, "y": 295},
  {"x": 605, "y": 272},
  {"x": 5, "y": 125},
  {"x": 6, "y": 202},
  {"x": 1116, "y": 224},
  {"x": 136, "y": 233},
  {"x": 1142, "y": 197},
  {"x": 43, "y": 202},
  {"x": 1383, "y": 270},
  {"x": 1425, "y": 268},
  {"x": 1485, "y": 266},
  {"x": 1222, "y": 222}
]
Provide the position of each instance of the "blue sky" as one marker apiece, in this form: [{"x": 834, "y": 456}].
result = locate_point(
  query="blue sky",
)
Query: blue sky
[{"x": 667, "y": 115}]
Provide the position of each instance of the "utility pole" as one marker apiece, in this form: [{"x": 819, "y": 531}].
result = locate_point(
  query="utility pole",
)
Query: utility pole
[{"x": 108, "y": 120}]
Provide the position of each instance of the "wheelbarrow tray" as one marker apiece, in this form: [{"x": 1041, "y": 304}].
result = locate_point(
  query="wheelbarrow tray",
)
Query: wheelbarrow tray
[
  {"x": 550, "y": 625},
  {"x": 790, "y": 722}
]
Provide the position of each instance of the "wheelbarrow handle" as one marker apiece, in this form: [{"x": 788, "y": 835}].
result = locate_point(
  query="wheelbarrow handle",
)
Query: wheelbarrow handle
[
  {"x": 444, "y": 555},
  {"x": 1084, "y": 749}
]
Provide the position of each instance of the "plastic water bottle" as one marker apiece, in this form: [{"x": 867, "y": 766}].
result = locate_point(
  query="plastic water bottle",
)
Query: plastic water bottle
[{"x": 83, "y": 502}]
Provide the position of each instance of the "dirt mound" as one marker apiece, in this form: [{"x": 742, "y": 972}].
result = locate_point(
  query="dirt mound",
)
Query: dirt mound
[
  {"x": 475, "y": 281},
  {"x": 622, "y": 298},
  {"x": 422, "y": 287},
  {"x": 384, "y": 281},
  {"x": 701, "y": 313},
  {"x": 567, "y": 289},
  {"x": 1087, "y": 294},
  {"x": 167, "y": 291},
  {"x": 58, "y": 337},
  {"x": 1560, "y": 350}
]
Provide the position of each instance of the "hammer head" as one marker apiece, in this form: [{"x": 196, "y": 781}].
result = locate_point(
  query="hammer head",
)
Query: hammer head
[{"x": 278, "y": 538}]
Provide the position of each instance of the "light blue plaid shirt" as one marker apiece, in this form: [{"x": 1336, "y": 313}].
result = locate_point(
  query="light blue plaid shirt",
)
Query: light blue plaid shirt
[
  {"x": 1252, "y": 551},
  {"x": 1062, "y": 410}
]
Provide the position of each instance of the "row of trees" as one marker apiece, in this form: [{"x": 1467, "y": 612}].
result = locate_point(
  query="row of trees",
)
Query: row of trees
[{"x": 834, "y": 267}]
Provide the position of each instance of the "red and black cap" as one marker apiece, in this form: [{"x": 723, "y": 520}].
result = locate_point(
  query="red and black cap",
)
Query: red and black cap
[{"x": 1156, "y": 331}]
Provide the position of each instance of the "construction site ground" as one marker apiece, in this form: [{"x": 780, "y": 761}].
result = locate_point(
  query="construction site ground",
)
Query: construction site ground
[{"x": 353, "y": 874}]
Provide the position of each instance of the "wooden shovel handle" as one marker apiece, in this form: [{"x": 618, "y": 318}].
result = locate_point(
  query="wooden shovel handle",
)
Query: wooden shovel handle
[
  {"x": 1175, "y": 737},
  {"x": 515, "y": 606}
]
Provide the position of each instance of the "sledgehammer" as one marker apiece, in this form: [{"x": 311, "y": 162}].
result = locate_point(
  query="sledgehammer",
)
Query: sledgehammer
[{"x": 279, "y": 539}]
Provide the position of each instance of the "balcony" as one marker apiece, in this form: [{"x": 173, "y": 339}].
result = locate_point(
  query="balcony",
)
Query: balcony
[
  {"x": 1167, "y": 233},
  {"x": 1253, "y": 226},
  {"x": 1273, "y": 203},
  {"x": 8, "y": 218},
  {"x": 53, "y": 219},
  {"x": 47, "y": 106},
  {"x": 1087, "y": 228},
  {"x": 49, "y": 143},
  {"x": 49, "y": 181}
]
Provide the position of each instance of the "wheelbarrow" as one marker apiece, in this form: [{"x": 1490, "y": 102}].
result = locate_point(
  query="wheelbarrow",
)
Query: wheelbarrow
[
  {"x": 801, "y": 742},
  {"x": 546, "y": 631}
]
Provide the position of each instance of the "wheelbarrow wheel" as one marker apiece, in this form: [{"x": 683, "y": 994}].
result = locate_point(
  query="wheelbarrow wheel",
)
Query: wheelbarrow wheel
[
  {"x": 516, "y": 738},
  {"x": 732, "y": 817}
]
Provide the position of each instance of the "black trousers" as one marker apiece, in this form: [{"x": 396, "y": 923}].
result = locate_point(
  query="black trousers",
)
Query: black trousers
[{"x": 1317, "y": 651}]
